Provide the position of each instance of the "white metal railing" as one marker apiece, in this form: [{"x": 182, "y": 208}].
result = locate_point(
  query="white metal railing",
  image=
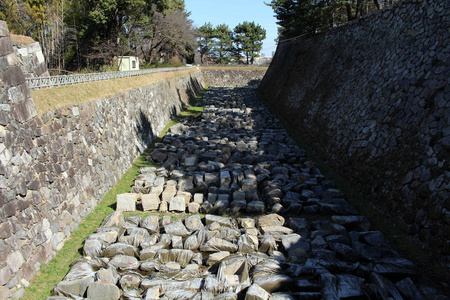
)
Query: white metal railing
[{"x": 54, "y": 81}]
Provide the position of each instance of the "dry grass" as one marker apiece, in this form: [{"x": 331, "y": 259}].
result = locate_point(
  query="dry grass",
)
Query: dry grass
[
  {"x": 232, "y": 68},
  {"x": 53, "y": 98},
  {"x": 22, "y": 39}
]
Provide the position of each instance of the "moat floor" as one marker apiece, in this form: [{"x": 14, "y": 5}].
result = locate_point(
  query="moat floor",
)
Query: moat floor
[{"x": 237, "y": 211}]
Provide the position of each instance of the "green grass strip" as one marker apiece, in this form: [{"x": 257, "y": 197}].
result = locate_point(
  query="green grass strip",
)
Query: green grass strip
[{"x": 52, "y": 273}]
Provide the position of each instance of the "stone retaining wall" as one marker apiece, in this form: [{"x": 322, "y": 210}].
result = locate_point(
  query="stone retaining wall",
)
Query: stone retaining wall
[
  {"x": 372, "y": 98},
  {"x": 31, "y": 58},
  {"x": 230, "y": 77},
  {"x": 54, "y": 169}
]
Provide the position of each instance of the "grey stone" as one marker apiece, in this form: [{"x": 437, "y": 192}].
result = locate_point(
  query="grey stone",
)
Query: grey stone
[
  {"x": 103, "y": 290},
  {"x": 150, "y": 201},
  {"x": 151, "y": 223},
  {"x": 193, "y": 208},
  {"x": 256, "y": 207},
  {"x": 176, "y": 228},
  {"x": 120, "y": 248},
  {"x": 193, "y": 223},
  {"x": 75, "y": 287},
  {"x": 124, "y": 262},
  {"x": 177, "y": 204},
  {"x": 15, "y": 261},
  {"x": 127, "y": 201},
  {"x": 108, "y": 275},
  {"x": 270, "y": 220},
  {"x": 255, "y": 292}
]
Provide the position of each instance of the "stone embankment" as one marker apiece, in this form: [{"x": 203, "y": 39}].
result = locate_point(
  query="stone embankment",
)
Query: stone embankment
[{"x": 289, "y": 233}]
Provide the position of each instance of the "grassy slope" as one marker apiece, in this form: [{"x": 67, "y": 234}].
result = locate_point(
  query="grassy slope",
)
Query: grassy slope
[
  {"x": 52, "y": 273},
  {"x": 52, "y": 98}
]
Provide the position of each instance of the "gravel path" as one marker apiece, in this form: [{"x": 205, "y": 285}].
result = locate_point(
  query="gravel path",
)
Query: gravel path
[{"x": 271, "y": 225}]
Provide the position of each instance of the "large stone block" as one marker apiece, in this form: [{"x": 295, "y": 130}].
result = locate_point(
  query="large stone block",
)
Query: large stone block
[
  {"x": 150, "y": 202},
  {"x": 103, "y": 291},
  {"x": 127, "y": 201},
  {"x": 177, "y": 204},
  {"x": 5, "y": 46},
  {"x": 3, "y": 29},
  {"x": 13, "y": 76},
  {"x": 15, "y": 261},
  {"x": 24, "y": 111}
]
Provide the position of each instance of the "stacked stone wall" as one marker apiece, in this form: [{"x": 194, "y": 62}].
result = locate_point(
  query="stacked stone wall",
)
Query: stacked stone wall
[
  {"x": 31, "y": 59},
  {"x": 233, "y": 77},
  {"x": 372, "y": 98},
  {"x": 55, "y": 168}
]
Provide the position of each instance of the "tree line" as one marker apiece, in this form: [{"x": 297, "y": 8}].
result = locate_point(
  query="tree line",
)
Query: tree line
[
  {"x": 299, "y": 17},
  {"x": 223, "y": 45},
  {"x": 77, "y": 34}
]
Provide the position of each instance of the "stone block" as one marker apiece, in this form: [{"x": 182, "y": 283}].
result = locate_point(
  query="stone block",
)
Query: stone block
[
  {"x": 15, "y": 261},
  {"x": 4, "y": 292},
  {"x": 3, "y": 29},
  {"x": 238, "y": 195},
  {"x": 12, "y": 77},
  {"x": 150, "y": 202},
  {"x": 24, "y": 111},
  {"x": 127, "y": 201},
  {"x": 177, "y": 242},
  {"x": 198, "y": 198},
  {"x": 177, "y": 204},
  {"x": 255, "y": 292},
  {"x": 103, "y": 290},
  {"x": 5, "y": 275},
  {"x": 212, "y": 198},
  {"x": 158, "y": 189},
  {"x": 190, "y": 161},
  {"x": 225, "y": 178},
  {"x": 193, "y": 207},
  {"x": 187, "y": 196},
  {"x": 168, "y": 193},
  {"x": 5, "y": 46},
  {"x": 163, "y": 206}
]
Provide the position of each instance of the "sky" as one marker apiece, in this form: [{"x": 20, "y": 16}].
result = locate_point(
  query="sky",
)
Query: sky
[{"x": 234, "y": 12}]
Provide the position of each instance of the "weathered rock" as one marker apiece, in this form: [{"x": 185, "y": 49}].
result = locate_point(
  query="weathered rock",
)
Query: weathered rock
[
  {"x": 124, "y": 262},
  {"x": 177, "y": 204},
  {"x": 129, "y": 282},
  {"x": 103, "y": 291},
  {"x": 270, "y": 220},
  {"x": 150, "y": 201},
  {"x": 151, "y": 223},
  {"x": 256, "y": 207},
  {"x": 217, "y": 257},
  {"x": 193, "y": 223},
  {"x": 216, "y": 245},
  {"x": 116, "y": 219},
  {"x": 176, "y": 228},
  {"x": 127, "y": 201},
  {"x": 108, "y": 275},
  {"x": 255, "y": 292},
  {"x": 209, "y": 219},
  {"x": 120, "y": 248},
  {"x": 75, "y": 287}
]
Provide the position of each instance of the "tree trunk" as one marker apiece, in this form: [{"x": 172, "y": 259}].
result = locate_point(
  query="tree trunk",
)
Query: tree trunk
[
  {"x": 349, "y": 12},
  {"x": 377, "y": 4},
  {"x": 359, "y": 5}
]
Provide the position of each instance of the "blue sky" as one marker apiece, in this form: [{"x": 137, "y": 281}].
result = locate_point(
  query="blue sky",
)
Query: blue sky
[{"x": 233, "y": 12}]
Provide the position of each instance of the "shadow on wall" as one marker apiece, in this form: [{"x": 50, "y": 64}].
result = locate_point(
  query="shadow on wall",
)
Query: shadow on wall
[
  {"x": 193, "y": 89},
  {"x": 254, "y": 83},
  {"x": 144, "y": 131}
]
